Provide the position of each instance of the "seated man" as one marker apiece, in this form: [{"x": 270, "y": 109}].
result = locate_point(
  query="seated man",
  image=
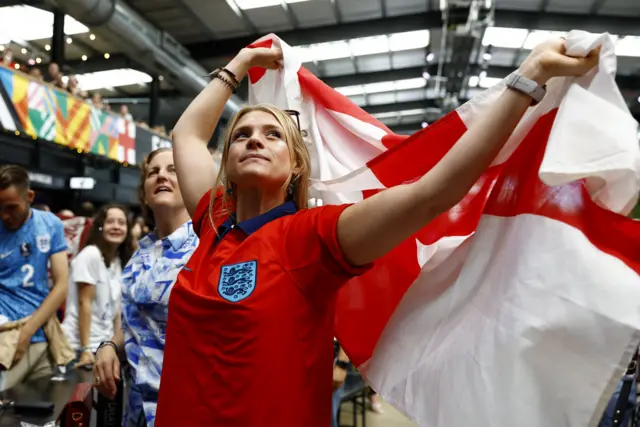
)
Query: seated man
[{"x": 29, "y": 240}]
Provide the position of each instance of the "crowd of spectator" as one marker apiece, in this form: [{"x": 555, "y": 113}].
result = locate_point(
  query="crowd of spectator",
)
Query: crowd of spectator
[{"x": 55, "y": 77}]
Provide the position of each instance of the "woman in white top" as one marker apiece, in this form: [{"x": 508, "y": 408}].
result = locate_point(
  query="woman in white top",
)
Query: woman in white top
[{"x": 93, "y": 300}]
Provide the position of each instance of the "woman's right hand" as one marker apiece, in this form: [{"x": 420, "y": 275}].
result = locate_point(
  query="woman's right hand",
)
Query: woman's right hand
[
  {"x": 269, "y": 58},
  {"x": 106, "y": 371}
]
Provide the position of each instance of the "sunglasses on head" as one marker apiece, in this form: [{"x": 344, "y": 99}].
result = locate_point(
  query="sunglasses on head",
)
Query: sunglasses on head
[{"x": 296, "y": 114}]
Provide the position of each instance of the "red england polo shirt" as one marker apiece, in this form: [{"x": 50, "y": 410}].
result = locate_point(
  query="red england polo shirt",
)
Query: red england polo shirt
[{"x": 250, "y": 327}]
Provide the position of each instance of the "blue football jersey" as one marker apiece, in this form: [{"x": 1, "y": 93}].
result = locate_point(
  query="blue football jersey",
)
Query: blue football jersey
[{"x": 24, "y": 259}]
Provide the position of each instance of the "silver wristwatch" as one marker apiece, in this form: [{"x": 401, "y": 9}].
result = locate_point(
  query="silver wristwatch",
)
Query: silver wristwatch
[{"x": 527, "y": 86}]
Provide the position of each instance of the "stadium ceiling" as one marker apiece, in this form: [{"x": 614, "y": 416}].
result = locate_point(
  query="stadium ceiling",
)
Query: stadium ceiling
[{"x": 398, "y": 59}]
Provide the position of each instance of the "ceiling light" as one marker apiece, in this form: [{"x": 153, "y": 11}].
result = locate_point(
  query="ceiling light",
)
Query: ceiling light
[
  {"x": 369, "y": 45},
  {"x": 381, "y": 87},
  {"x": 536, "y": 37},
  {"x": 112, "y": 78},
  {"x": 38, "y": 60},
  {"x": 1, "y": 48},
  {"x": 40, "y": 24},
  {"x": 426, "y": 75},
  {"x": 255, "y": 4},
  {"x": 409, "y": 40},
  {"x": 16, "y": 66},
  {"x": 47, "y": 47},
  {"x": 639, "y": 99},
  {"x": 160, "y": 78},
  {"x": 363, "y": 46},
  {"x": 628, "y": 46},
  {"x": 430, "y": 56},
  {"x": 486, "y": 56},
  {"x": 483, "y": 74},
  {"x": 31, "y": 61},
  {"x": 69, "y": 40},
  {"x": 84, "y": 57},
  {"x": 424, "y": 125},
  {"x": 107, "y": 56},
  {"x": 24, "y": 51},
  {"x": 92, "y": 36},
  {"x": 512, "y": 38}
]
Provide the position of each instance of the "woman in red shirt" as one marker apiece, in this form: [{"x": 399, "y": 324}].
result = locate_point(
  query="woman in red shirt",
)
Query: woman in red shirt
[{"x": 250, "y": 327}]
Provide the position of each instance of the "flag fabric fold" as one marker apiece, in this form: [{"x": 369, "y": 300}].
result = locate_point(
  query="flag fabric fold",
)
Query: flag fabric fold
[{"x": 521, "y": 304}]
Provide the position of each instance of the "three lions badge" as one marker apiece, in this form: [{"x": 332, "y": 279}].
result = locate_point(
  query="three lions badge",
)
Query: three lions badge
[
  {"x": 43, "y": 242},
  {"x": 237, "y": 281}
]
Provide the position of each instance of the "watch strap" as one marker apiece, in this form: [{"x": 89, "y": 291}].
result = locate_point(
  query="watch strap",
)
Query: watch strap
[{"x": 527, "y": 86}]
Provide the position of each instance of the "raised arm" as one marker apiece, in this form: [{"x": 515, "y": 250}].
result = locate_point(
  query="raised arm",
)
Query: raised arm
[
  {"x": 371, "y": 228},
  {"x": 195, "y": 167}
]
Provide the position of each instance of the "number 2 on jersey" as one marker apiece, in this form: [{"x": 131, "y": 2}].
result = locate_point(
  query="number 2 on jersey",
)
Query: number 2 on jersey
[{"x": 28, "y": 271}]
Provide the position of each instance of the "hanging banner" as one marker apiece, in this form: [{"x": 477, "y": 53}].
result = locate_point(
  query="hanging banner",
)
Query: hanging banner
[{"x": 48, "y": 113}]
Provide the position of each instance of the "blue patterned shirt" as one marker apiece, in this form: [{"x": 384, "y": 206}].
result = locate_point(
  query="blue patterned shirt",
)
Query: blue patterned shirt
[{"x": 146, "y": 284}]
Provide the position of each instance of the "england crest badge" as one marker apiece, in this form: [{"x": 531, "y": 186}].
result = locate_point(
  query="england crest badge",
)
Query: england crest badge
[
  {"x": 237, "y": 281},
  {"x": 43, "y": 242}
]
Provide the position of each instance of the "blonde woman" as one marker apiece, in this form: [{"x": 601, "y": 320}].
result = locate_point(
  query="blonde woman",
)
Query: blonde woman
[
  {"x": 146, "y": 285},
  {"x": 250, "y": 329}
]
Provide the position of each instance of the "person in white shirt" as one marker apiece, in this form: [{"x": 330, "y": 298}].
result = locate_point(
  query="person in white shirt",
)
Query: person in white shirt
[{"x": 93, "y": 301}]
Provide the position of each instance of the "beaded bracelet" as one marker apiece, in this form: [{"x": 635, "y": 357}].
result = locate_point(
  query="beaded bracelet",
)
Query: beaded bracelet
[{"x": 226, "y": 79}]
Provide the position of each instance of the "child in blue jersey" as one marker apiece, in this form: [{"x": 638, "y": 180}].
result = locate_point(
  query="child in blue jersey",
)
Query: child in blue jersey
[{"x": 29, "y": 240}]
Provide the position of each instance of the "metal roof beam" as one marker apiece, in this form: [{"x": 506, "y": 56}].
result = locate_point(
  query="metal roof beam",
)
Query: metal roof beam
[
  {"x": 623, "y": 81},
  {"x": 623, "y": 25}
]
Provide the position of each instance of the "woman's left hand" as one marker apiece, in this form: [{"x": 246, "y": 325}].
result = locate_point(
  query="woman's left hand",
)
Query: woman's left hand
[
  {"x": 86, "y": 358},
  {"x": 549, "y": 59}
]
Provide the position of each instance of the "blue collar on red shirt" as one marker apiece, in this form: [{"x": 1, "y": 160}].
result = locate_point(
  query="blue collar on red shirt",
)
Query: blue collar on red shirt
[{"x": 252, "y": 225}]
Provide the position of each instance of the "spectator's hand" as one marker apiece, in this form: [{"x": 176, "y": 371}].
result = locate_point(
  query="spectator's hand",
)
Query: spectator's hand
[
  {"x": 106, "y": 371},
  {"x": 86, "y": 358},
  {"x": 24, "y": 340},
  {"x": 549, "y": 60},
  {"x": 263, "y": 57},
  {"x": 339, "y": 377}
]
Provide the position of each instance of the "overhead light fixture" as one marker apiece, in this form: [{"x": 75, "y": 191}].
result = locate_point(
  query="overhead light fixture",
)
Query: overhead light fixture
[
  {"x": 40, "y": 23},
  {"x": 38, "y": 60},
  {"x": 69, "y": 40},
  {"x": 487, "y": 53},
  {"x": 382, "y": 87},
  {"x": 430, "y": 56},
  {"x": 1, "y": 48},
  {"x": 107, "y": 56},
  {"x": 424, "y": 125},
  {"x": 512, "y": 38},
  {"x": 92, "y": 36},
  {"x": 160, "y": 78},
  {"x": 84, "y": 57},
  {"x": 426, "y": 75},
  {"x": 639, "y": 99},
  {"x": 24, "y": 51},
  {"x": 47, "y": 47},
  {"x": 31, "y": 61},
  {"x": 111, "y": 78},
  {"x": 16, "y": 66},
  {"x": 361, "y": 46},
  {"x": 255, "y": 4},
  {"x": 483, "y": 74}
]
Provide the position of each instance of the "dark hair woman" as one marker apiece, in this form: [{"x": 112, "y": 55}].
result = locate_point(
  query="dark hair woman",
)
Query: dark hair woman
[{"x": 93, "y": 299}]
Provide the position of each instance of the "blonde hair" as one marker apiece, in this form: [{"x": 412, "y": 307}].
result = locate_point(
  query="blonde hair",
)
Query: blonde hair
[{"x": 300, "y": 161}]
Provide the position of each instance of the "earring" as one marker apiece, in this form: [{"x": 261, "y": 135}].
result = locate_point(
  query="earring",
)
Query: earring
[
  {"x": 99, "y": 228},
  {"x": 230, "y": 191},
  {"x": 290, "y": 190}
]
